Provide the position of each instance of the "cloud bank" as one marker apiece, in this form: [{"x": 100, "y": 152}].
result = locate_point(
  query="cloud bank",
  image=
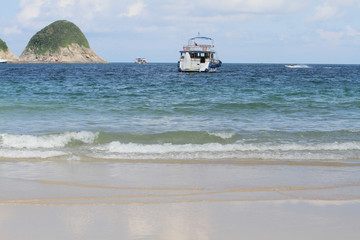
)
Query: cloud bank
[{"x": 90, "y": 13}]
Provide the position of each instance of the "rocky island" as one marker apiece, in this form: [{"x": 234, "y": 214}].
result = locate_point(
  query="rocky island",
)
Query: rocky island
[
  {"x": 59, "y": 42},
  {"x": 5, "y": 53}
]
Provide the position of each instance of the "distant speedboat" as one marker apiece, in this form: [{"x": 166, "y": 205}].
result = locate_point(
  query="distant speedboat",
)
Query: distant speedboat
[
  {"x": 3, "y": 60},
  {"x": 140, "y": 60},
  {"x": 297, "y": 66},
  {"x": 199, "y": 56}
]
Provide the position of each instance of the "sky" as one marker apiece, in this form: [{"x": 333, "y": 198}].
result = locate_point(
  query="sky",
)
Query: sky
[{"x": 245, "y": 31}]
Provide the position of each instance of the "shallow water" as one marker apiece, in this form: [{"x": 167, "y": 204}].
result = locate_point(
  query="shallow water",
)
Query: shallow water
[{"x": 245, "y": 112}]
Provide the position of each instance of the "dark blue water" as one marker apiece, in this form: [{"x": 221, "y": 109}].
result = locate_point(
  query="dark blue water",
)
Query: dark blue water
[{"x": 129, "y": 111}]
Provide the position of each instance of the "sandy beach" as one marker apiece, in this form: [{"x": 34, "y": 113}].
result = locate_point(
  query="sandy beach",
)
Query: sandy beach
[{"x": 112, "y": 200}]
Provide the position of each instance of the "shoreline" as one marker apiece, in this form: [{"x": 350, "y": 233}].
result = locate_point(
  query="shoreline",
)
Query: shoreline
[
  {"x": 239, "y": 162},
  {"x": 159, "y": 180}
]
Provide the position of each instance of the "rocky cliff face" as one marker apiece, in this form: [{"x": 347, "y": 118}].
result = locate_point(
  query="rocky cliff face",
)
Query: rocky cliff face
[
  {"x": 73, "y": 53},
  {"x": 60, "y": 42},
  {"x": 5, "y": 53},
  {"x": 8, "y": 55}
]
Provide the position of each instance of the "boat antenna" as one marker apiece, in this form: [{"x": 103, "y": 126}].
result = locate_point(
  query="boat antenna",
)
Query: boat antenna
[{"x": 198, "y": 34}]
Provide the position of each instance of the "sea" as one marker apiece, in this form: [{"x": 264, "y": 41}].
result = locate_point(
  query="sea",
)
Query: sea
[{"x": 125, "y": 112}]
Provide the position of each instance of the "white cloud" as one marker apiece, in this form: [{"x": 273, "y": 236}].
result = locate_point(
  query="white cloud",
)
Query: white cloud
[
  {"x": 254, "y": 6},
  {"x": 135, "y": 9},
  {"x": 345, "y": 3},
  {"x": 38, "y": 13},
  {"x": 305, "y": 38},
  {"x": 283, "y": 37},
  {"x": 336, "y": 36},
  {"x": 30, "y": 9},
  {"x": 326, "y": 12},
  {"x": 119, "y": 15},
  {"x": 330, "y": 36},
  {"x": 146, "y": 29},
  {"x": 352, "y": 32},
  {"x": 65, "y": 3},
  {"x": 190, "y": 13},
  {"x": 12, "y": 30}
]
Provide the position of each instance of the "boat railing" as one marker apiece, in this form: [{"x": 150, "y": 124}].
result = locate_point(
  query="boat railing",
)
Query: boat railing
[{"x": 198, "y": 48}]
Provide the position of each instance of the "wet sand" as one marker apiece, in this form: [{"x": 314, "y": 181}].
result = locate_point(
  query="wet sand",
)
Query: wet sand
[{"x": 122, "y": 200}]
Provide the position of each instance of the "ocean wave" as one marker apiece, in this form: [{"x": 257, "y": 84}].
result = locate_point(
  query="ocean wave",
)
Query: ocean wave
[
  {"x": 223, "y": 135},
  {"x": 45, "y": 141},
  {"x": 175, "y": 137},
  {"x": 243, "y": 140},
  {"x": 182, "y": 145}
]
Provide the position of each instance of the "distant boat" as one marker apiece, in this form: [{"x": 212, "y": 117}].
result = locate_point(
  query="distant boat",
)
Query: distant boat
[
  {"x": 199, "y": 56},
  {"x": 297, "y": 66},
  {"x": 3, "y": 60},
  {"x": 140, "y": 60}
]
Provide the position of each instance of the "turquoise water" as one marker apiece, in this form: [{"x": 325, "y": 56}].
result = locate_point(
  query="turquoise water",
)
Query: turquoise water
[{"x": 124, "y": 111}]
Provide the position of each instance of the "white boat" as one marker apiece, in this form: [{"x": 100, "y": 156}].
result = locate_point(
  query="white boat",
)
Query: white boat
[
  {"x": 199, "y": 55},
  {"x": 3, "y": 60},
  {"x": 297, "y": 66},
  {"x": 140, "y": 60}
]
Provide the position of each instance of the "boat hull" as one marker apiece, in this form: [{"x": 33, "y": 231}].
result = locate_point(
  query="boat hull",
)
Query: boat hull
[
  {"x": 206, "y": 67},
  {"x": 199, "y": 56},
  {"x": 196, "y": 70}
]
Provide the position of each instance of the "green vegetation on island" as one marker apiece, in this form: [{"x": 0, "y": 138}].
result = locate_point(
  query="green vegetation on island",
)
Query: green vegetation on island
[
  {"x": 3, "y": 46},
  {"x": 58, "y": 34}
]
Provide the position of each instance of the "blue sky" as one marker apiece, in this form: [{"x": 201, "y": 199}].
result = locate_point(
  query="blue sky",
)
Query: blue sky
[{"x": 245, "y": 31}]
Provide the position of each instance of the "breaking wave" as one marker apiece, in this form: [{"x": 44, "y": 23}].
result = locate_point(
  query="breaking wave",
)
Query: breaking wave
[
  {"x": 46, "y": 141},
  {"x": 330, "y": 151},
  {"x": 179, "y": 145}
]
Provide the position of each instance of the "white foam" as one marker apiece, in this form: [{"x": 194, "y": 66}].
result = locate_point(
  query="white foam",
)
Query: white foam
[
  {"x": 298, "y": 66},
  {"x": 223, "y": 135},
  {"x": 74, "y": 158},
  {"x": 20, "y": 154},
  {"x": 118, "y": 147},
  {"x": 330, "y": 151},
  {"x": 29, "y": 146},
  {"x": 47, "y": 141},
  {"x": 238, "y": 156}
]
